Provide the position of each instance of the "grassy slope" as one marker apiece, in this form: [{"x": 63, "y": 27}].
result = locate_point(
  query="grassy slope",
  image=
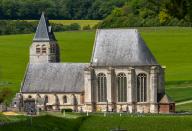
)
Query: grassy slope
[
  {"x": 44, "y": 123},
  {"x": 171, "y": 47},
  {"x": 185, "y": 107},
  {"x": 148, "y": 123},
  {"x": 180, "y": 91},
  {"x": 99, "y": 122}
]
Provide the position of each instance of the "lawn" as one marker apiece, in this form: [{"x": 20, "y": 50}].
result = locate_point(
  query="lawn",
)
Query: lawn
[
  {"x": 6, "y": 119},
  {"x": 99, "y": 122},
  {"x": 171, "y": 47},
  {"x": 135, "y": 123},
  {"x": 43, "y": 123},
  {"x": 180, "y": 91}
]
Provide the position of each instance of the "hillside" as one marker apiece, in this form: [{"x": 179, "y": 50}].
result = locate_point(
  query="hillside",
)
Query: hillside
[
  {"x": 99, "y": 122},
  {"x": 171, "y": 47}
]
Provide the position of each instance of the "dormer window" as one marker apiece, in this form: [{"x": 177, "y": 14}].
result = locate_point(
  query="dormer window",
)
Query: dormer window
[
  {"x": 38, "y": 49},
  {"x": 44, "y": 49}
]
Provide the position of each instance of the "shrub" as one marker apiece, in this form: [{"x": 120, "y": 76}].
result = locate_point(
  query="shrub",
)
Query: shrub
[
  {"x": 151, "y": 22},
  {"x": 173, "y": 22},
  {"x": 57, "y": 27},
  {"x": 66, "y": 110},
  {"x": 74, "y": 26},
  {"x": 87, "y": 27}
]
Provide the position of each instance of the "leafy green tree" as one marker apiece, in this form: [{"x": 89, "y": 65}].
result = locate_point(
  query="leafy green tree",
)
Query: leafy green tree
[
  {"x": 164, "y": 17},
  {"x": 5, "y": 96}
]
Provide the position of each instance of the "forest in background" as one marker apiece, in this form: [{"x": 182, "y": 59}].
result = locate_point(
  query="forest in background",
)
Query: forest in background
[
  {"x": 58, "y": 9},
  {"x": 145, "y": 13},
  {"x": 112, "y": 13}
]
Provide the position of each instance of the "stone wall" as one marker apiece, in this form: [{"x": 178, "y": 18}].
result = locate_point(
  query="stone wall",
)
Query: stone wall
[
  {"x": 154, "y": 86},
  {"x": 75, "y": 101}
]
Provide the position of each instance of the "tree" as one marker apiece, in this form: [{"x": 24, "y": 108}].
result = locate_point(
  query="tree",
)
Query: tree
[
  {"x": 164, "y": 17},
  {"x": 5, "y": 96}
]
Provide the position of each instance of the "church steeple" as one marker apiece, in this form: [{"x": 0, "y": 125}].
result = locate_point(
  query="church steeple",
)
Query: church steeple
[
  {"x": 44, "y": 48},
  {"x": 44, "y": 31}
]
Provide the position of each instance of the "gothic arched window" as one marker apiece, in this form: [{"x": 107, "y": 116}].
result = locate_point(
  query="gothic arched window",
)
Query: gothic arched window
[
  {"x": 38, "y": 49},
  {"x": 102, "y": 87},
  {"x": 64, "y": 99},
  {"x": 122, "y": 87},
  {"x": 141, "y": 87},
  {"x": 44, "y": 49}
]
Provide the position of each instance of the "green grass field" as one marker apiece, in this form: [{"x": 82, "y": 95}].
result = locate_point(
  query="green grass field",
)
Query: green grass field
[
  {"x": 43, "y": 123},
  {"x": 180, "y": 91},
  {"x": 171, "y": 47},
  {"x": 184, "y": 107},
  {"x": 143, "y": 123},
  {"x": 101, "y": 123},
  {"x": 80, "y": 22}
]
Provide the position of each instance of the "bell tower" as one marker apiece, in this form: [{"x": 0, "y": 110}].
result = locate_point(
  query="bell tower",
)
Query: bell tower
[{"x": 44, "y": 48}]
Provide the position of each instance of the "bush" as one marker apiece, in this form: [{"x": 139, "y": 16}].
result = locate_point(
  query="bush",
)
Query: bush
[
  {"x": 74, "y": 26},
  {"x": 173, "y": 22},
  {"x": 57, "y": 27},
  {"x": 87, "y": 27},
  {"x": 66, "y": 110},
  {"x": 151, "y": 22}
]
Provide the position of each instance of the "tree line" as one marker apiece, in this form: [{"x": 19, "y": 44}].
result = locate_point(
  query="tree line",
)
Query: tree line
[
  {"x": 138, "y": 13},
  {"x": 25, "y": 27},
  {"x": 58, "y": 9}
]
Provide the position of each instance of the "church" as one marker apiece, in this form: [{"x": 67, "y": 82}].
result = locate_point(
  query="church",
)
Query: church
[{"x": 122, "y": 76}]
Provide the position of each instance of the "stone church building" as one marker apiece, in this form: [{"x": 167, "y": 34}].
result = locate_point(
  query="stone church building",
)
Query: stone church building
[{"x": 122, "y": 76}]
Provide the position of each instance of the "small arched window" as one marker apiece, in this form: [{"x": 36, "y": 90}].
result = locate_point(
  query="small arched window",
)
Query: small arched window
[
  {"x": 29, "y": 96},
  {"x": 122, "y": 87},
  {"x": 46, "y": 99},
  {"x": 64, "y": 99},
  {"x": 102, "y": 87},
  {"x": 44, "y": 49},
  {"x": 141, "y": 87},
  {"x": 38, "y": 98},
  {"x": 38, "y": 49}
]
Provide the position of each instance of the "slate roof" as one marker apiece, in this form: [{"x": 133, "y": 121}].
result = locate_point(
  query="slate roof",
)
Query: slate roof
[
  {"x": 120, "y": 47},
  {"x": 54, "y": 77},
  {"x": 44, "y": 31}
]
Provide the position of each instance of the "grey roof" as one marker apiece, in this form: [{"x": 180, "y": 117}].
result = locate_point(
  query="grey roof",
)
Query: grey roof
[
  {"x": 120, "y": 47},
  {"x": 54, "y": 77},
  {"x": 44, "y": 31}
]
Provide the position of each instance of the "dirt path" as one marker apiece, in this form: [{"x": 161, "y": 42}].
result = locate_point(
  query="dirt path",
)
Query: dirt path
[{"x": 184, "y": 102}]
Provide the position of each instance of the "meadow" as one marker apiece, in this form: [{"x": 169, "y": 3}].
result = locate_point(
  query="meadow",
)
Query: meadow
[
  {"x": 82, "y": 23},
  {"x": 170, "y": 45},
  {"x": 99, "y": 122},
  {"x": 42, "y": 123}
]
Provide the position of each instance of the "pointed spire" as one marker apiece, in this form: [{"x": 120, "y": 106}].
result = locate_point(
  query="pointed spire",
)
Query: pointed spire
[{"x": 43, "y": 31}]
